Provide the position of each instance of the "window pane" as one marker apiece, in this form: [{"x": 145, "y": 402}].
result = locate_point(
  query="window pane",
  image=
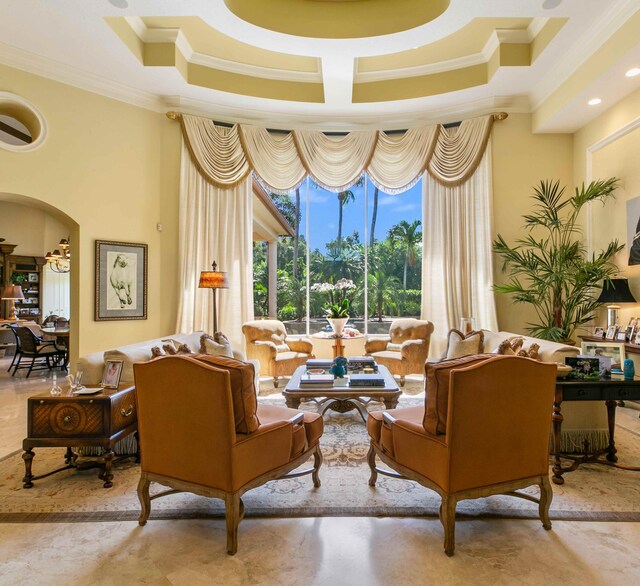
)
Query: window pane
[{"x": 394, "y": 256}]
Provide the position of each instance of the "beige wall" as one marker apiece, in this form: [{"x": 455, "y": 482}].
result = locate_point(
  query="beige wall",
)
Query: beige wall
[
  {"x": 34, "y": 231},
  {"x": 611, "y": 146},
  {"x": 109, "y": 171},
  {"x": 520, "y": 160}
]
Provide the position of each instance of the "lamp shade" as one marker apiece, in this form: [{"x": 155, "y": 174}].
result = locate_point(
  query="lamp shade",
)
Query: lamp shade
[
  {"x": 213, "y": 279},
  {"x": 12, "y": 292},
  {"x": 616, "y": 291}
]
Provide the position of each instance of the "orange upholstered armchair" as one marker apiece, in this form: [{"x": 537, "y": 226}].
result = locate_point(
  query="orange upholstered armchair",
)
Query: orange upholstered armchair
[
  {"x": 278, "y": 355},
  {"x": 202, "y": 431},
  {"x": 484, "y": 430},
  {"x": 405, "y": 350}
]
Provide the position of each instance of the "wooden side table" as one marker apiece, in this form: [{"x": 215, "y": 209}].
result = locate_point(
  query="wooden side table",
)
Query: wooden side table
[
  {"x": 99, "y": 420},
  {"x": 609, "y": 391}
]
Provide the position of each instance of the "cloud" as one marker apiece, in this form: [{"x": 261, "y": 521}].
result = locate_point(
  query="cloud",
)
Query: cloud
[
  {"x": 405, "y": 208},
  {"x": 318, "y": 197},
  {"x": 387, "y": 200}
]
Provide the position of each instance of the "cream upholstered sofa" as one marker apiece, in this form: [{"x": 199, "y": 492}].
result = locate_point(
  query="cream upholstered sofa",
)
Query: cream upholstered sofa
[
  {"x": 92, "y": 365},
  {"x": 584, "y": 420}
]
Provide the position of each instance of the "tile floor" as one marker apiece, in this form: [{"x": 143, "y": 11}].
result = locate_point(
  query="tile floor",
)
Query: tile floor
[{"x": 331, "y": 551}]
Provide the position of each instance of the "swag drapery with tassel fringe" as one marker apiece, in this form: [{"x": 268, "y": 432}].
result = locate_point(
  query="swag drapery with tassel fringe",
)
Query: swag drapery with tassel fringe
[{"x": 456, "y": 165}]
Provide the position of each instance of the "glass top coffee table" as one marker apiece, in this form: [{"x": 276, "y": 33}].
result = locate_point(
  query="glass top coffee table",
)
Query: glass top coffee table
[{"x": 344, "y": 398}]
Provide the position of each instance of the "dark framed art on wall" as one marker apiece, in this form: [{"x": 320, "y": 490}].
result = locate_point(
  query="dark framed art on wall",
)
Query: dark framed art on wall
[{"x": 121, "y": 281}]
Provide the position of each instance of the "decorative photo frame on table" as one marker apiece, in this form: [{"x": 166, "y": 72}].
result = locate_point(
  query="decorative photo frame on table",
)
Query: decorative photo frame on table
[
  {"x": 121, "y": 281},
  {"x": 611, "y": 332},
  {"x": 613, "y": 350},
  {"x": 112, "y": 373},
  {"x": 598, "y": 332}
]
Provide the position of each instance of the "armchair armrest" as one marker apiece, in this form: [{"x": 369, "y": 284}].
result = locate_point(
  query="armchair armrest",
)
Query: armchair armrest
[
  {"x": 300, "y": 345},
  {"x": 376, "y": 345},
  {"x": 411, "y": 348},
  {"x": 266, "y": 347}
]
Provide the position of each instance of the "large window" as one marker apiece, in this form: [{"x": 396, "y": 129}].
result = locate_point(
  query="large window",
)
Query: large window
[{"x": 361, "y": 244}]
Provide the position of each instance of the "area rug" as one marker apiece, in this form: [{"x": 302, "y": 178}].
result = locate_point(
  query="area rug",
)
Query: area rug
[{"x": 593, "y": 493}]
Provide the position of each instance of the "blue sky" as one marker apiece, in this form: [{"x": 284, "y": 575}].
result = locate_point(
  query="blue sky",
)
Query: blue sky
[{"x": 324, "y": 212}]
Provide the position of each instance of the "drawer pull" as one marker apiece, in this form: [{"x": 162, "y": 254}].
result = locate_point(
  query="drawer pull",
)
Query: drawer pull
[
  {"x": 582, "y": 393},
  {"x": 623, "y": 393},
  {"x": 128, "y": 412}
]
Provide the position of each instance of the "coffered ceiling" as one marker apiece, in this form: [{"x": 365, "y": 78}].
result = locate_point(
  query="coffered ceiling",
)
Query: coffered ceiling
[{"x": 336, "y": 64}]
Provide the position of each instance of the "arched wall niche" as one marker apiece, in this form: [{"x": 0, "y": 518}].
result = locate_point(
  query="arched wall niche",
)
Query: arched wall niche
[{"x": 74, "y": 233}]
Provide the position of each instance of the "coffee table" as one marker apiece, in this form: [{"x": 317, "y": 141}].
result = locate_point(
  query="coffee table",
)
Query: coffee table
[{"x": 342, "y": 399}]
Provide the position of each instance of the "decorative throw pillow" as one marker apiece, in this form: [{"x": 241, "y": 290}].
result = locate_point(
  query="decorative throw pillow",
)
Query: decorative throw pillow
[
  {"x": 510, "y": 346},
  {"x": 437, "y": 390},
  {"x": 459, "y": 345},
  {"x": 243, "y": 393},
  {"x": 169, "y": 349},
  {"x": 157, "y": 351},
  {"x": 217, "y": 345},
  {"x": 530, "y": 352}
]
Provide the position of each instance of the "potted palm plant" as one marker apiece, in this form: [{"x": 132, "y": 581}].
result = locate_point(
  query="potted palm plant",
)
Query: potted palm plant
[{"x": 550, "y": 268}]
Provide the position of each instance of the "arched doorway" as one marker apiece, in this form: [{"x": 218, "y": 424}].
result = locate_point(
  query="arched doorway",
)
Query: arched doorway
[{"x": 33, "y": 238}]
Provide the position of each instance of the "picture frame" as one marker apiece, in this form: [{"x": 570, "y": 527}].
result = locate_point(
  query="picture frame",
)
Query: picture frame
[
  {"x": 598, "y": 332},
  {"x": 630, "y": 333},
  {"x": 613, "y": 350},
  {"x": 33, "y": 277},
  {"x": 636, "y": 340},
  {"x": 621, "y": 335},
  {"x": 112, "y": 373},
  {"x": 121, "y": 281},
  {"x": 611, "y": 332}
]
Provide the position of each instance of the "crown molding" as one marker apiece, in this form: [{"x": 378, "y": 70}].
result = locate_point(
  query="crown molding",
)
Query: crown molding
[
  {"x": 590, "y": 41},
  {"x": 392, "y": 121},
  {"x": 76, "y": 77}
]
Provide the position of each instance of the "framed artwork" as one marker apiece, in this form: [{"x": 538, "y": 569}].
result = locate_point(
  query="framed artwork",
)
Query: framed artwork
[
  {"x": 611, "y": 332},
  {"x": 33, "y": 277},
  {"x": 621, "y": 335},
  {"x": 633, "y": 322},
  {"x": 633, "y": 230},
  {"x": 598, "y": 332},
  {"x": 112, "y": 373},
  {"x": 121, "y": 281},
  {"x": 612, "y": 350}
]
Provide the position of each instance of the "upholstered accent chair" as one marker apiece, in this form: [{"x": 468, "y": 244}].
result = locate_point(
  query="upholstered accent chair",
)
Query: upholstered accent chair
[
  {"x": 190, "y": 413},
  {"x": 406, "y": 348},
  {"x": 484, "y": 430},
  {"x": 278, "y": 355}
]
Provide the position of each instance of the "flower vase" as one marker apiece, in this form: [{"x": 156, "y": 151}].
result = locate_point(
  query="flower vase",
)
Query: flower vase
[{"x": 337, "y": 324}]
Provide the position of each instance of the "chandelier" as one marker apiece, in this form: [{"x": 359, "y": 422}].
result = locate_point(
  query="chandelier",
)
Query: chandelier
[{"x": 59, "y": 260}]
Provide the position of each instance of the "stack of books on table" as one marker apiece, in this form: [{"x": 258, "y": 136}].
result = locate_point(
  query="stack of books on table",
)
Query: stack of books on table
[
  {"x": 366, "y": 380},
  {"x": 323, "y": 363},
  {"x": 360, "y": 363},
  {"x": 316, "y": 380}
]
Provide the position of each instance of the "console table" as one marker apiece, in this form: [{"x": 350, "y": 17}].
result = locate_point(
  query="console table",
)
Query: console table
[
  {"x": 608, "y": 390},
  {"x": 99, "y": 420}
]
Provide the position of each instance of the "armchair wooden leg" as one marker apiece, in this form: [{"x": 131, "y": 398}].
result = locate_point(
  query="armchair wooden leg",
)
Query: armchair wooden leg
[
  {"x": 402, "y": 380},
  {"x": 317, "y": 462},
  {"x": 371, "y": 459},
  {"x": 232, "y": 507},
  {"x": 143, "y": 497},
  {"x": 276, "y": 382},
  {"x": 546, "y": 496},
  {"x": 448, "y": 520}
]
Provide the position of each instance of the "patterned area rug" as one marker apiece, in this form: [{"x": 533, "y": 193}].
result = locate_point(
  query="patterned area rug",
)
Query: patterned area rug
[{"x": 590, "y": 493}]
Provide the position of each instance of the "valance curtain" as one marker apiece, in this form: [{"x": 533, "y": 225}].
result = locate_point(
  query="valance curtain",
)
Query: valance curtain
[
  {"x": 215, "y": 224},
  {"x": 225, "y": 156}
]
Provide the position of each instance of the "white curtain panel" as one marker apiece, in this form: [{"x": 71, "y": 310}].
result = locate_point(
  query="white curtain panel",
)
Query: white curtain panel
[
  {"x": 215, "y": 224},
  {"x": 457, "y": 268}
]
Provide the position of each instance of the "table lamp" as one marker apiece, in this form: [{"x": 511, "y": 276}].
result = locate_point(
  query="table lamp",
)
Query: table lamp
[
  {"x": 215, "y": 280},
  {"x": 614, "y": 292},
  {"x": 11, "y": 293}
]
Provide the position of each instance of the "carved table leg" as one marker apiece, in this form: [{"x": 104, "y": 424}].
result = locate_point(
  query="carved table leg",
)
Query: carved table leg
[
  {"x": 557, "y": 429},
  {"x": 70, "y": 456},
  {"x": 28, "y": 476},
  {"x": 292, "y": 403},
  {"x": 390, "y": 403},
  {"x": 107, "y": 475},
  {"x": 371, "y": 460},
  {"x": 611, "y": 417}
]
